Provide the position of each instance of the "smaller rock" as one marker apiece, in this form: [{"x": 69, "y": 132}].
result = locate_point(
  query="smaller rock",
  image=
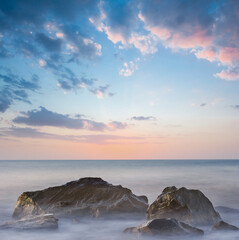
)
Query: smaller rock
[
  {"x": 44, "y": 221},
  {"x": 223, "y": 226},
  {"x": 168, "y": 227}
]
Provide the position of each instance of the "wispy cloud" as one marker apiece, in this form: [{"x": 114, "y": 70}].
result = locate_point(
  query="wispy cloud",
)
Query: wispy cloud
[
  {"x": 119, "y": 24},
  {"x": 230, "y": 74},
  {"x": 14, "y": 88},
  {"x": 128, "y": 68},
  {"x": 102, "y": 91},
  {"x": 235, "y": 106},
  {"x": 209, "y": 103},
  {"x": 117, "y": 125},
  {"x": 44, "y": 117},
  {"x": 143, "y": 118},
  {"x": 15, "y": 132},
  {"x": 123, "y": 31},
  {"x": 146, "y": 44},
  {"x": 50, "y": 44}
]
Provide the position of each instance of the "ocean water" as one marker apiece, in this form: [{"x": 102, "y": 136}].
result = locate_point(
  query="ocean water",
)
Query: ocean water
[{"x": 217, "y": 179}]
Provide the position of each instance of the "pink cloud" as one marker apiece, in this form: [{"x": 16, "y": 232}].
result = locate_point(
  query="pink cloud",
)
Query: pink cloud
[
  {"x": 99, "y": 94},
  {"x": 229, "y": 75},
  {"x": 115, "y": 37},
  {"x": 208, "y": 54},
  {"x": 161, "y": 33},
  {"x": 194, "y": 39},
  {"x": 209, "y": 37},
  {"x": 229, "y": 55},
  {"x": 202, "y": 44},
  {"x": 112, "y": 35}
]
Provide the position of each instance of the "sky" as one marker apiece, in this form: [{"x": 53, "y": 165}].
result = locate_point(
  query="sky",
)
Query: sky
[{"x": 136, "y": 79}]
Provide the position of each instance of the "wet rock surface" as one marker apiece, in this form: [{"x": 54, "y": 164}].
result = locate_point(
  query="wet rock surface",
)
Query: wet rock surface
[
  {"x": 46, "y": 221},
  {"x": 165, "y": 227},
  {"x": 92, "y": 197},
  {"x": 185, "y": 205},
  {"x": 223, "y": 226}
]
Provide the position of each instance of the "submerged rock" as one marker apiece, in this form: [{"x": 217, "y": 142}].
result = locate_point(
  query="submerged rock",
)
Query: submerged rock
[
  {"x": 84, "y": 197},
  {"x": 223, "y": 226},
  {"x": 186, "y": 205},
  {"x": 169, "y": 227},
  {"x": 45, "y": 221}
]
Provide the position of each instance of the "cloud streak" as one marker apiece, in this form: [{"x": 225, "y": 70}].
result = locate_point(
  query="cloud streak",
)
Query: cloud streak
[
  {"x": 143, "y": 118},
  {"x": 33, "y": 133},
  {"x": 102, "y": 91},
  {"x": 44, "y": 117},
  {"x": 14, "y": 88},
  {"x": 236, "y": 106}
]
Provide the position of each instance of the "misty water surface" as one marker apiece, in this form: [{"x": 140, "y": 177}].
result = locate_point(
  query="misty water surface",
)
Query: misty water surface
[{"x": 218, "y": 180}]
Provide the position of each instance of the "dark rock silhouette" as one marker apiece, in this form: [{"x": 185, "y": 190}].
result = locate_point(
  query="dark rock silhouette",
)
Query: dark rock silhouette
[
  {"x": 85, "y": 197},
  {"x": 189, "y": 206},
  {"x": 169, "y": 227},
  {"x": 223, "y": 226}
]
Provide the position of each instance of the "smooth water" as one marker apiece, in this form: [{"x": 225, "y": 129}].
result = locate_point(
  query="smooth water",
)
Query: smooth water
[{"x": 217, "y": 179}]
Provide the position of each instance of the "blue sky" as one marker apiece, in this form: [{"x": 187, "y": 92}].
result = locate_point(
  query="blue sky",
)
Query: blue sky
[{"x": 119, "y": 79}]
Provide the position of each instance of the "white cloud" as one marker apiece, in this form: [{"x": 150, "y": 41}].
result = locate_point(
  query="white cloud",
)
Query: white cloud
[
  {"x": 42, "y": 63},
  {"x": 129, "y": 68},
  {"x": 99, "y": 94},
  {"x": 97, "y": 46},
  {"x": 231, "y": 74},
  {"x": 147, "y": 44}
]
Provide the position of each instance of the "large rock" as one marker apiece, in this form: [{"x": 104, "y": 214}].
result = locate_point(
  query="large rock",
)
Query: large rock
[
  {"x": 84, "y": 197},
  {"x": 164, "y": 226},
  {"x": 223, "y": 226},
  {"x": 46, "y": 221},
  {"x": 189, "y": 206}
]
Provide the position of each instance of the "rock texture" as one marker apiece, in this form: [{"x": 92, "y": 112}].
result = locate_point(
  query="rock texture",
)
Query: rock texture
[
  {"x": 169, "y": 227},
  {"x": 84, "y": 197},
  {"x": 46, "y": 221},
  {"x": 223, "y": 226},
  {"x": 189, "y": 206}
]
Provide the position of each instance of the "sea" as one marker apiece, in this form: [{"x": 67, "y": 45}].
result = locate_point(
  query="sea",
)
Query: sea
[{"x": 217, "y": 179}]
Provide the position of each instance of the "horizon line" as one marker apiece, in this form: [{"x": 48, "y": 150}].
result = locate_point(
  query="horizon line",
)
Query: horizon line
[{"x": 171, "y": 159}]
